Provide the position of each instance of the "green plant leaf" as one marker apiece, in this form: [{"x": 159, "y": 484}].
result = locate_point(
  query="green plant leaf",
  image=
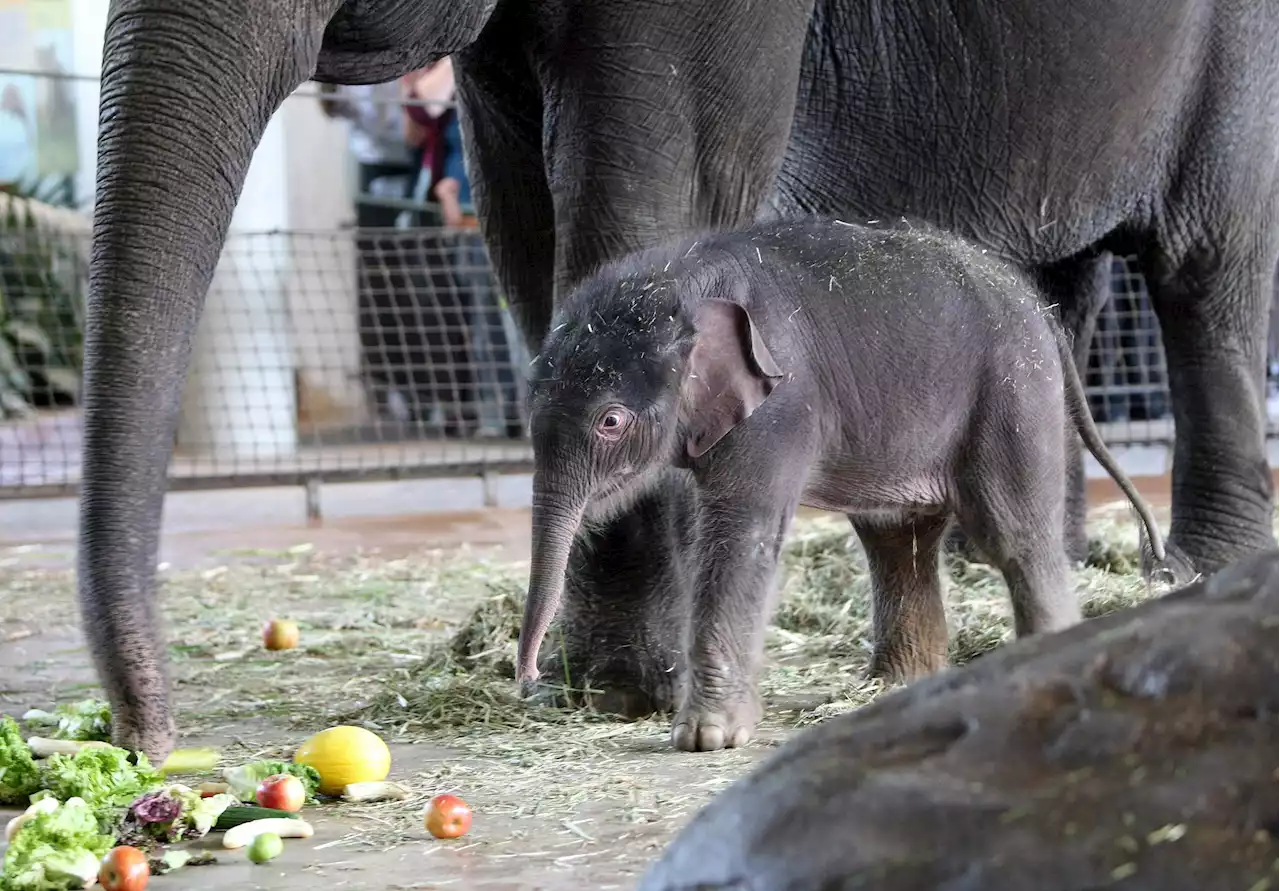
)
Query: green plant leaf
[
  {"x": 29, "y": 335},
  {"x": 62, "y": 380},
  {"x": 13, "y": 404},
  {"x": 8, "y": 358}
]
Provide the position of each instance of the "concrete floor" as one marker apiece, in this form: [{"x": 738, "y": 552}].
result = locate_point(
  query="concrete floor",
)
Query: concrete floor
[
  {"x": 208, "y": 527},
  {"x": 392, "y": 516}
]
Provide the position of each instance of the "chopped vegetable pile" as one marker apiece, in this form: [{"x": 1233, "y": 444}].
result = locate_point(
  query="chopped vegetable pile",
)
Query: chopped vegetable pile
[
  {"x": 105, "y": 777},
  {"x": 87, "y": 797},
  {"x": 57, "y": 848},
  {"x": 19, "y": 776},
  {"x": 89, "y": 719},
  {"x": 172, "y": 814},
  {"x": 244, "y": 779}
]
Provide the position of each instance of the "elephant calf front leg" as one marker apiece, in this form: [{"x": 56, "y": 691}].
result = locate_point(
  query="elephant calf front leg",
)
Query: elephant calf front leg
[{"x": 739, "y": 544}]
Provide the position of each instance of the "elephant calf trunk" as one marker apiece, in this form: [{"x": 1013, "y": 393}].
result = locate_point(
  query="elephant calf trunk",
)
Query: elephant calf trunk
[{"x": 553, "y": 530}]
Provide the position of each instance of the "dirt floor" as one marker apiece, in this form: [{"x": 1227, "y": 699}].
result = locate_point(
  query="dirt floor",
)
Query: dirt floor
[{"x": 565, "y": 800}]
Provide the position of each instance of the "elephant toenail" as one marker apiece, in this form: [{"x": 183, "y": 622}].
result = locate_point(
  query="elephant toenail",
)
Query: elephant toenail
[
  {"x": 684, "y": 738},
  {"x": 711, "y": 739}
]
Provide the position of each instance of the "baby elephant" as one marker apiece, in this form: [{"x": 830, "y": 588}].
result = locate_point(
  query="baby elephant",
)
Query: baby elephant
[{"x": 901, "y": 377}]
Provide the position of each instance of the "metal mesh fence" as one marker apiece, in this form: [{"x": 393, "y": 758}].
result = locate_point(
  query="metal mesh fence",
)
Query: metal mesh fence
[
  {"x": 371, "y": 354},
  {"x": 1126, "y": 380},
  {"x": 368, "y": 354}
]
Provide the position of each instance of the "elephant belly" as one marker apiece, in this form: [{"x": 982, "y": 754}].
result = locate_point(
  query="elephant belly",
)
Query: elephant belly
[{"x": 847, "y": 488}]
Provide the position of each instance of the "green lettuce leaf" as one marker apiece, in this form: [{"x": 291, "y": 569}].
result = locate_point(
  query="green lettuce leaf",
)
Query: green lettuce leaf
[
  {"x": 102, "y": 776},
  {"x": 200, "y": 819},
  {"x": 19, "y": 776},
  {"x": 172, "y": 814},
  {"x": 244, "y": 779},
  {"x": 55, "y": 850},
  {"x": 89, "y": 719}
]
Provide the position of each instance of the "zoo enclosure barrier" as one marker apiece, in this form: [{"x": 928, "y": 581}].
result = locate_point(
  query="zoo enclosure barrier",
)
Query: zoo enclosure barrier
[{"x": 374, "y": 354}]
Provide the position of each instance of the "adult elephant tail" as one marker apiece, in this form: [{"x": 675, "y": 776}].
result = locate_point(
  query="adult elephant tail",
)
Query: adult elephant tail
[{"x": 187, "y": 90}]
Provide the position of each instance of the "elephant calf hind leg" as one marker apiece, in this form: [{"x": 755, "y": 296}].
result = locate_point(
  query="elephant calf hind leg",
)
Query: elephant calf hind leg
[
  {"x": 1025, "y": 544},
  {"x": 910, "y": 625}
]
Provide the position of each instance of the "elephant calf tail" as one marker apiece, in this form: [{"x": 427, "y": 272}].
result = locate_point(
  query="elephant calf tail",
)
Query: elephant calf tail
[{"x": 1078, "y": 405}]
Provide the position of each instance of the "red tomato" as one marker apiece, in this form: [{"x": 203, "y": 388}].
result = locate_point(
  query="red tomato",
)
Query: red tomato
[
  {"x": 283, "y": 791},
  {"x": 124, "y": 869},
  {"x": 447, "y": 816}
]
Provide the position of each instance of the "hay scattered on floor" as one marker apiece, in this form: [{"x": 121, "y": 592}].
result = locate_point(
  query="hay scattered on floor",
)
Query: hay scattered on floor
[{"x": 422, "y": 649}]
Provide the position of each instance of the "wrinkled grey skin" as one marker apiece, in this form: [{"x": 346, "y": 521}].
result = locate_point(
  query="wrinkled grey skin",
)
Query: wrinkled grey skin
[
  {"x": 899, "y": 377},
  {"x": 591, "y": 132}
]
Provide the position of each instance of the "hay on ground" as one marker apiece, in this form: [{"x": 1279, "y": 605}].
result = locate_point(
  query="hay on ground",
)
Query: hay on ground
[{"x": 421, "y": 649}]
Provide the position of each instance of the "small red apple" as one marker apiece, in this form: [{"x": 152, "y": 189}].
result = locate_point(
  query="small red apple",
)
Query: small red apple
[
  {"x": 447, "y": 816},
  {"x": 280, "y": 634},
  {"x": 124, "y": 869},
  {"x": 282, "y": 791}
]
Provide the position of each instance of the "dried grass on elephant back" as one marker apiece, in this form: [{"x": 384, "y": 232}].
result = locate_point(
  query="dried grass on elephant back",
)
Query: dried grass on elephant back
[{"x": 421, "y": 650}]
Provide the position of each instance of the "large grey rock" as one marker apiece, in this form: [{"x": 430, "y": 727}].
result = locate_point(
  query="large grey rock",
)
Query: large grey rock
[{"x": 1134, "y": 751}]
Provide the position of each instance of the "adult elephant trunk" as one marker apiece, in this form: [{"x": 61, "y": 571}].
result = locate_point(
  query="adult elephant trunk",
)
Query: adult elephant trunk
[
  {"x": 557, "y": 515},
  {"x": 187, "y": 90}
]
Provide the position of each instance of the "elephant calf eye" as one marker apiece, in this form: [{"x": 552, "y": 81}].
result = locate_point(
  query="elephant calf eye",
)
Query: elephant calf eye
[{"x": 613, "y": 423}]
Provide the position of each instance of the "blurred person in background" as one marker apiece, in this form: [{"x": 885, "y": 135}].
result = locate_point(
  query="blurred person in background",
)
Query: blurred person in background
[
  {"x": 386, "y": 165},
  {"x": 495, "y": 407},
  {"x": 434, "y": 128},
  {"x": 393, "y": 270}
]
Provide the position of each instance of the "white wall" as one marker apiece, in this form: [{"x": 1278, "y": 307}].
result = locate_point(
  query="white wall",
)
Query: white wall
[
  {"x": 277, "y": 304},
  {"x": 283, "y": 299},
  {"x": 239, "y": 400},
  {"x": 322, "y": 296},
  {"x": 89, "y": 22}
]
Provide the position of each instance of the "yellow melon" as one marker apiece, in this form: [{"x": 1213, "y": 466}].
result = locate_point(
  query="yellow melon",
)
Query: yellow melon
[{"x": 345, "y": 754}]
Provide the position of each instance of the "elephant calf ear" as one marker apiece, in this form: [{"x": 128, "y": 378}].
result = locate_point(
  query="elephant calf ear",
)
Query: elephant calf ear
[{"x": 730, "y": 373}]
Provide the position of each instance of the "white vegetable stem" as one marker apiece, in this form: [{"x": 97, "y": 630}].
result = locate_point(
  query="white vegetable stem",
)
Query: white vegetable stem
[
  {"x": 285, "y": 827},
  {"x": 44, "y": 805},
  {"x": 376, "y": 791},
  {"x": 43, "y": 748}
]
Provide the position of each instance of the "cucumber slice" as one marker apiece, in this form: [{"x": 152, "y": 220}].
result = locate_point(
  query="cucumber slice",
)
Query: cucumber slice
[{"x": 246, "y": 813}]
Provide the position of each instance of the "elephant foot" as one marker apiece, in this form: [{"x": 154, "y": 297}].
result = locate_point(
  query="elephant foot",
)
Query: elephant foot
[
  {"x": 1175, "y": 570},
  {"x": 630, "y": 690},
  {"x": 154, "y": 735},
  {"x": 902, "y": 665},
  {"x": 709, "y": 727}
]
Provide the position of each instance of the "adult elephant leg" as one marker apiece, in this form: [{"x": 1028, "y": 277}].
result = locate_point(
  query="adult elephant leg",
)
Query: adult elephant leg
[
  {"x": 616, "y": 638},
  {"x": 608, "y": 133},
  {"x": 186, "y": 95},
  {"x": 1211, "y": 297},
  {"x": 501, "y": 118},
  {"x": 663, "y": 121}
]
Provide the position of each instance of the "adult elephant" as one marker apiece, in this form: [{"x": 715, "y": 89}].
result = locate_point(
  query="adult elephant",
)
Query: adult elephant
[{"x": 1050, "y": 133}]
